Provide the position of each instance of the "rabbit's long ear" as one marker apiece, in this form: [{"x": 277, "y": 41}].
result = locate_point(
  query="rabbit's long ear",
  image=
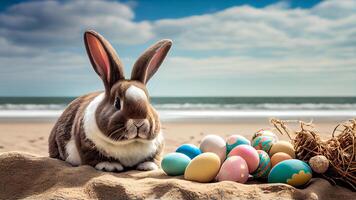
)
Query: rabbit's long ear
[
  {"x": 149, "y": 62},
  {"x": 104, "y": 59}
]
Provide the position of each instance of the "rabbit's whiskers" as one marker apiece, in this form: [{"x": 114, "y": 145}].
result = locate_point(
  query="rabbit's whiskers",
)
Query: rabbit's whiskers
[{"x": 116, "y": 131}]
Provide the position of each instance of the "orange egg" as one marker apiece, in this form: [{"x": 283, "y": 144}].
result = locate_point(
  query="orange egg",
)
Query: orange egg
[{"x": 279, "y": 157}]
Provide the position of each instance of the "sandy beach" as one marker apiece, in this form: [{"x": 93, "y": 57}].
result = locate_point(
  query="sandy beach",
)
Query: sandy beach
[
  {"x": 27, "y": 173},
  {"x": 32, "y": 137}
]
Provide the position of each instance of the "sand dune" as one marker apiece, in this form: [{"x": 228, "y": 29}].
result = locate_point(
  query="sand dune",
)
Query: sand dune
[{"x": 27, "y": 176}]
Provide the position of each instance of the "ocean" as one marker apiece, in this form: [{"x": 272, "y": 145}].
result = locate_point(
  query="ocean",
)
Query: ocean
[{"x": 194, "y": 108}]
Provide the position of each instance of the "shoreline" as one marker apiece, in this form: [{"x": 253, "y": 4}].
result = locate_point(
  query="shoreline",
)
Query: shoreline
[
  {"x": 32, "y": 137},
  {"x": 199, "y": 115}
]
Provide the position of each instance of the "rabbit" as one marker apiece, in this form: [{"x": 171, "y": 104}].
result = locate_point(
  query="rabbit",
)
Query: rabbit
[{"x": 116, "y": 129}]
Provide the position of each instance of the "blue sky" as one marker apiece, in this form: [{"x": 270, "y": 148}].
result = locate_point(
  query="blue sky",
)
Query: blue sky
[{"x": 221, "y": 48}]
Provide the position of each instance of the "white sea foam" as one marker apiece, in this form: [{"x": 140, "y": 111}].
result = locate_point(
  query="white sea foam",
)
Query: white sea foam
[
  {"x": 201, "y": 106},
  {"x": 32, "y": 106},
  {"x": 202, "y": 111},
  {"x": 253, "y": 115},
  {"x": 201, "y": 115},
  {"x": 264, "y": 106}
]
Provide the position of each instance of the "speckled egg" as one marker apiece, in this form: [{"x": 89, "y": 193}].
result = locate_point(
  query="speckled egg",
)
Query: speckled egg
[
  {"x": 282, "y": 146},
  {"x": 265, "y": 133},
  {"x": 293, "y": 172},
  {"x": 233, "y": 169},
  {"x": 264, "y": 166},
  {"x": 249, "y": 154},
  {"x": 214, "y": 144},
  {"x": 203, "y": 168},
  {"x": 174, "y": 164},
  {"x": 263, "y": 143},
  {"x": 235, "y": 140},
  {"x": 319, "y": 164},
  {"x": 189, "y": 149},
  {"x": 279, "y": 157}
]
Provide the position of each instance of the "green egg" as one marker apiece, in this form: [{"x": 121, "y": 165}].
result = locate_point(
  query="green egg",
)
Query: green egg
[
  {"x": 174, "y": 164},
  {"x": 264, "y": 166},
  {"x": 263, "y": 143}
]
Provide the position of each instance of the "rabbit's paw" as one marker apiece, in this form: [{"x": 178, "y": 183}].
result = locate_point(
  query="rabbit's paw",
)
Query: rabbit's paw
[
  {"x": 109, "y": 166},
  {"x": 147, "y": 166}
]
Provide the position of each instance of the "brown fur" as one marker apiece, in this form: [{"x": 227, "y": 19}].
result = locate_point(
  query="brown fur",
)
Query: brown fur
[
  {"x": 111, "y": 122},
  {"x": 68, "y": 124}
]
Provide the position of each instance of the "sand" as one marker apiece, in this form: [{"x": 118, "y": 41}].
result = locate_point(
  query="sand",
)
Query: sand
[
  {"x": 30, "y": 174},
  {"x": 32, "y": 137}
]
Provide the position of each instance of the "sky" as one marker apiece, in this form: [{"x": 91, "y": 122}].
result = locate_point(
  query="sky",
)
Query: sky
[{"x": 220, "y": 48}]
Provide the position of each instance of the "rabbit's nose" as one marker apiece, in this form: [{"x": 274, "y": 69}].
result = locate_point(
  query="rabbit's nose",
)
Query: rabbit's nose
[{"x": 138, "y": 122}]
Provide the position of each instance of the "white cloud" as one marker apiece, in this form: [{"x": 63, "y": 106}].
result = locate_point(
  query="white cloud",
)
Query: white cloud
[
  {"x": 277, "y": 30},
  {"x": 53, "y": 24},
  {"x": 44, "y": 38},
  {"x": 213, "y": 67},
  {"x": 335, "y": 9},
  {"x": 275, "y": 40}
]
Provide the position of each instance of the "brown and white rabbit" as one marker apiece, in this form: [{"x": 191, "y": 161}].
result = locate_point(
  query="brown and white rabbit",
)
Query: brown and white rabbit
[{"x": 117, "y": 128}]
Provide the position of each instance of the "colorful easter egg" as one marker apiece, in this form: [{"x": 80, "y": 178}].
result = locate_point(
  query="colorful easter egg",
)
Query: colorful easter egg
[
  {"x": 189, "y": 149},
  {"x": 293, "y": 172},
  {"x": 174, "y": 164},
  {"x": 264, "y": 166},
  {"x": 214, "y": 144},
  {"x": 263, "y": 143},
  {"x": 203, "y": 168},
  {"x": 319, "y": 164},
  {"x": 235, "y": 140},
  {"x": 265, "y": 133},
  {"x": 233, "y": 169},
  {"x": 249, "y": 154},
  {"x": 279, "y": 157},
  {"x": 282, "y": 146}
]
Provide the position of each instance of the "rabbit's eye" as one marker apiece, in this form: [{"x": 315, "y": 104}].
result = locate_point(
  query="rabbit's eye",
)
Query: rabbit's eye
[{"x": 117, "y": 103}]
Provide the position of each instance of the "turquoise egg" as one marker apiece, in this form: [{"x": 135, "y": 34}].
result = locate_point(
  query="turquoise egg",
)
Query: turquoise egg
[
  {"x": 235, "y": 140},
  {"x": 189, "y": 149},
  {"x": 293, "y": 172},
  {"x": 264, "y": 167},
  {"x": 263, "y": 143},
  {"x": 174, "y": 164}
]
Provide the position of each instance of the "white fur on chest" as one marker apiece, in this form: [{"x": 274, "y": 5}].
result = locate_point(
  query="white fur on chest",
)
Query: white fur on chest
[{"x": 128, "y": 153}]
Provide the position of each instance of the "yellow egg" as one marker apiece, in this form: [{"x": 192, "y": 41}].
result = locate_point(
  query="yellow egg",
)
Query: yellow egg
[
  {"x": 282, "y": 146},
  {"x": 203, "y": 168}
]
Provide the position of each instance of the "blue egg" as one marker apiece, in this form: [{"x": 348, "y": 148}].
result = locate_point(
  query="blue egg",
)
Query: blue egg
[
  {"x": 174, "y": 164},
  {"x": 293, "y": 172},
  {"x": 235, "y": 140},
  {"x": 189, "y": 149}
]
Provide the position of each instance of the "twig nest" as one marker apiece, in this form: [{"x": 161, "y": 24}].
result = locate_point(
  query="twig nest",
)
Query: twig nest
[{"x": 319, "y": 164}]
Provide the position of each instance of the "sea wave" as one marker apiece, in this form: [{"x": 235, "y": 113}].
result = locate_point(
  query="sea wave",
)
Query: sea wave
[
  {"x": 264, "y": 106},
  {"x": 201, "y": 106},
  {"x": 201, "y": 115},
  {"x": 32, "y": 106}
]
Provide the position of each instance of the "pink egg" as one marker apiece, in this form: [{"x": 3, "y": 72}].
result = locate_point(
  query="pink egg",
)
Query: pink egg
[
  {"x": 249, "y": 154},
  {"x": 233, "y": 169}
]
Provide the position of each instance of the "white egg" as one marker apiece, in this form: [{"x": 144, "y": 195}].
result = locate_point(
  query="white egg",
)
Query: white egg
[
  {"x": 319, "y": 164},
  {"x": 214, "y": 144}
]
